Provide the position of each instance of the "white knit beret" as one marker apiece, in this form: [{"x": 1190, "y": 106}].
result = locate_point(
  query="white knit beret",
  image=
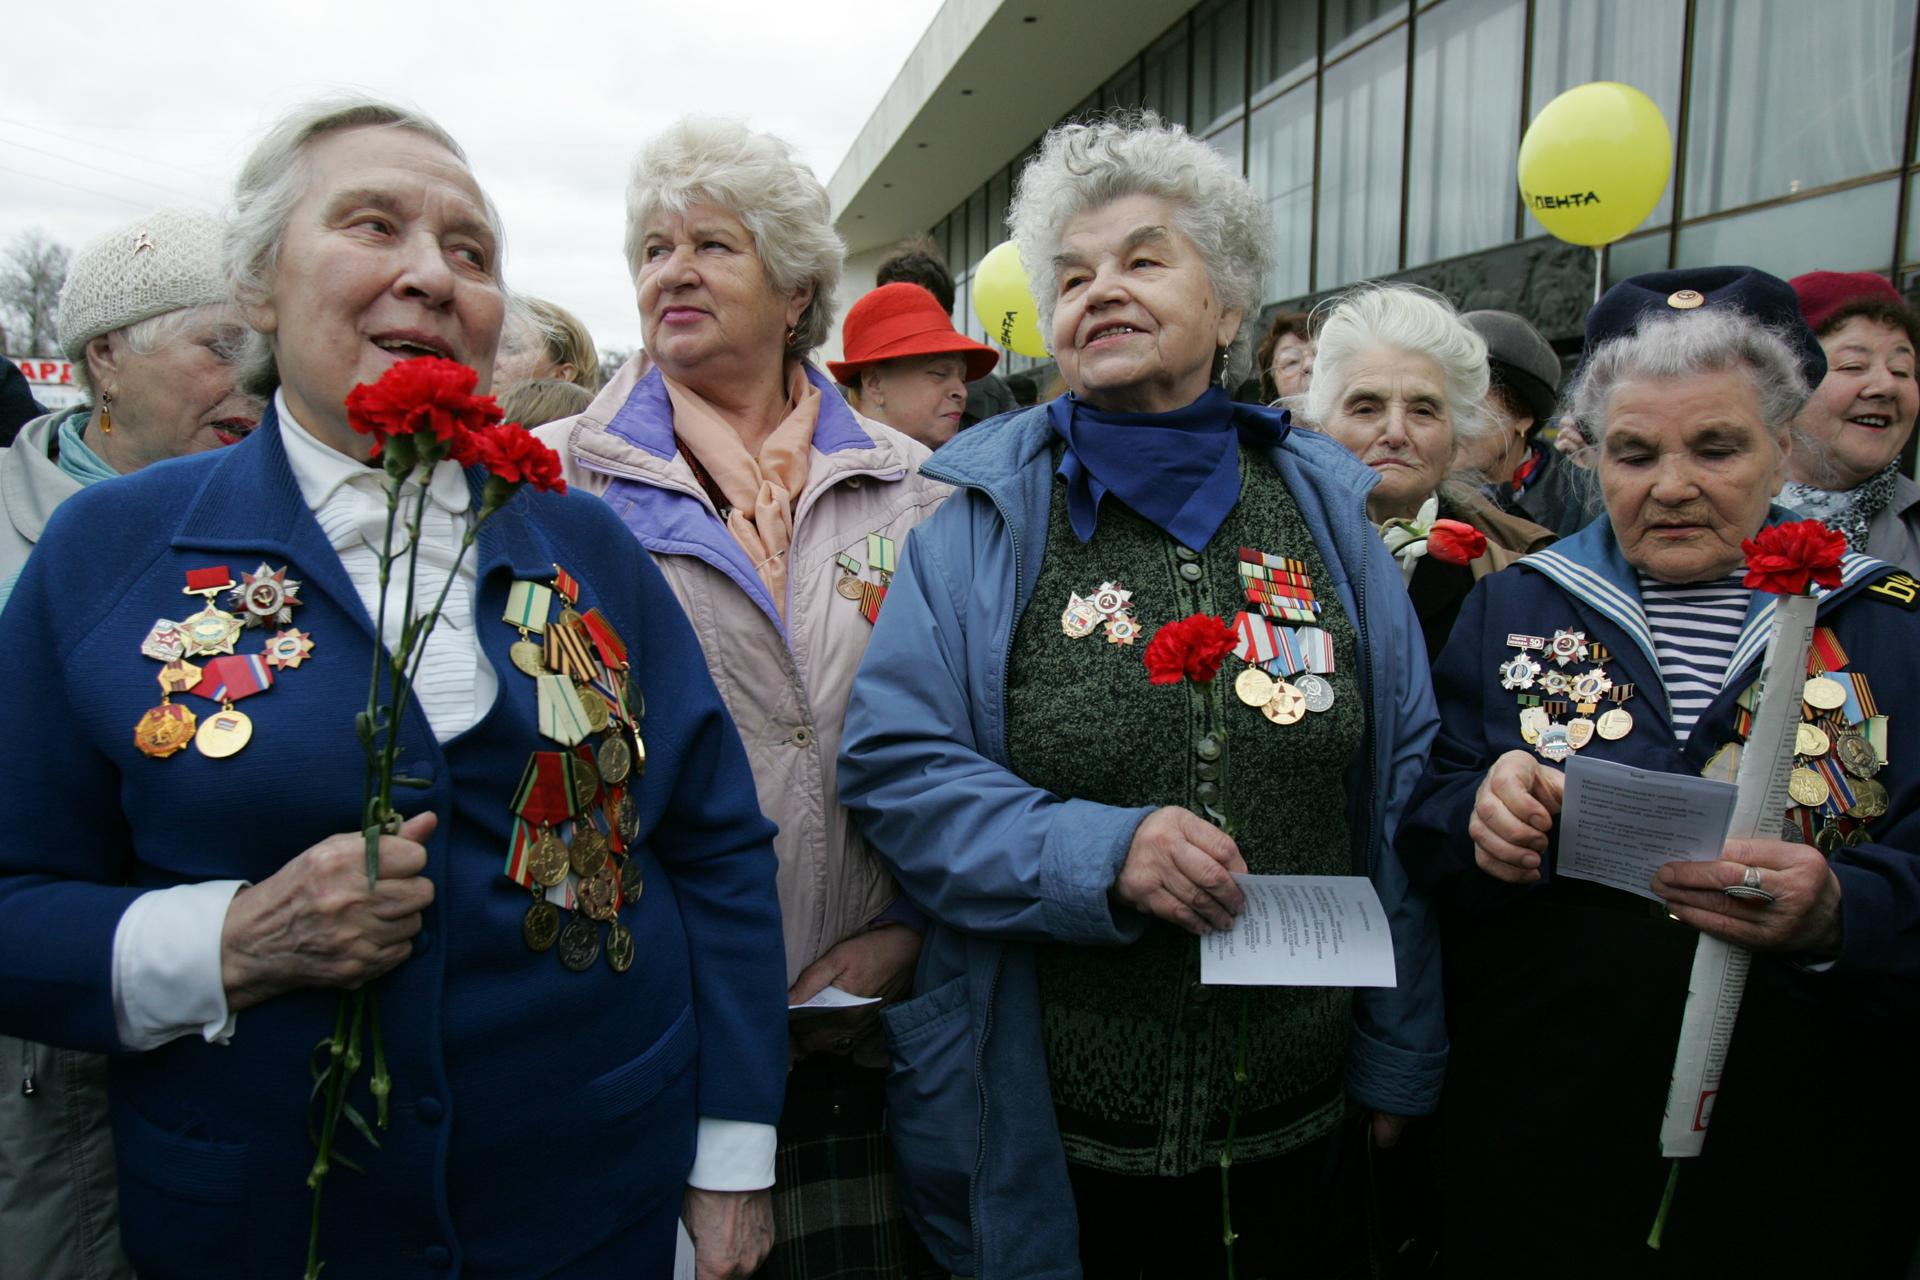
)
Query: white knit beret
[{"x": 162, "y": 261}]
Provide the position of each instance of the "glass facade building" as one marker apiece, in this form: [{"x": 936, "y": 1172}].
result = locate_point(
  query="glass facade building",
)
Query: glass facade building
[{"x": 1384, "y": 134}]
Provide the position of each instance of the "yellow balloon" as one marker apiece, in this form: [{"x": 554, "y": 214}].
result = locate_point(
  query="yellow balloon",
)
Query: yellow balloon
[
  {"x": 1004, "y": 303},
  {"x": 1594, "y": 162}
]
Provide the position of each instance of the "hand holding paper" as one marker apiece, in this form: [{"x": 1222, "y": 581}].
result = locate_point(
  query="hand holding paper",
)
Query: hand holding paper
[
  {"x": 1622, "y": 824},
  {"x": 1512, "y": 816},
  {"x": 1803, "y": 918}
]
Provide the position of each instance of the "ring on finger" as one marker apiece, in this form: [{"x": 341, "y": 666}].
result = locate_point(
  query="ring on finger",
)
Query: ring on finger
[{"x": 1749, "y": 890}]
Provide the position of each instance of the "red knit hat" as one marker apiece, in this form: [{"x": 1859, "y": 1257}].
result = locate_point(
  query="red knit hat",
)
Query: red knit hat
[
  {"x": 1822, "y": 293},
  {"x": 902, "y": 319}
]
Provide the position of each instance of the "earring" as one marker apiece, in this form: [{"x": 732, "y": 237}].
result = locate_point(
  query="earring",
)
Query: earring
[
  {"x": 793, "y": 335},
  {"x": 106, "y": 417},
  {"x": 1221, "y": 375}
]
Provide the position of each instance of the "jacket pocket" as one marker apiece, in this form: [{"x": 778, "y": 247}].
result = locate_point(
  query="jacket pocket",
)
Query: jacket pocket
[
  {"x": 628, "y": 1087},
  {"x": 180, "y": 1198},
  {"x": 933, "y": 1115}
]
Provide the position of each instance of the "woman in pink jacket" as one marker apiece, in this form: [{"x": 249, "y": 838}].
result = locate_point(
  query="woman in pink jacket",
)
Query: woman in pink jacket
[{"x": 776, "y": 514}]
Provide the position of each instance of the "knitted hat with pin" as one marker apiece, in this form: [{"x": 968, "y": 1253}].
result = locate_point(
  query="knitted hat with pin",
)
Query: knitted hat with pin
[{"x": 163, "y": 261}]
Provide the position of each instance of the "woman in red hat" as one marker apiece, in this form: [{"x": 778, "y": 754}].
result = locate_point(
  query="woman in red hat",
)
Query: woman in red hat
[
  {"x": 1845, "y": 469},
  {"x": 906, "y": 364}
]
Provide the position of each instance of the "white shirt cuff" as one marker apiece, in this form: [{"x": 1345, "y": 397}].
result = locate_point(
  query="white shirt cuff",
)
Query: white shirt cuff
[
  {"x": 166, "y": 965},
  {"x": 733, "y": 1155}
]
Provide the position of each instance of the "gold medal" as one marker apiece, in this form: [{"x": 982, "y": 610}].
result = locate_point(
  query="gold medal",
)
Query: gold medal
[
  {"x": 1824, "y": 693},
  {"x": 619, "y": 947},
  {"x": 210, "y": 631},
  {"x": 1253, "y": 687},
  {"x": 597, "y": 893},
  {"x": 163, "y": 731},
  {"x": 1857, "y": 755},
  {"x": 588, "y": 852},
  {"x": 595, "y": 707},
  {"x": 1579, "y": 732},
  {"x": 1869, "y": 800},
  {"x": 848, "y": 587},
  {"x": 528, "y": 658},
  {"x": 1829, "y": 838},
  {"x": 1615, "y": 724},
  {"x": 224, "y": 733},
  {"x": 541, "y": 925},
  {"x": 1808, "y": 788},
  {"x": 547, "y": 861},
  {"x": 1533, "y": 722},
  {"x": 1287, "y": 706},
  {"x": 616, "y": 761},
  {"x": 586, "y": 785},
  {"x": 1809, "y": 740}
]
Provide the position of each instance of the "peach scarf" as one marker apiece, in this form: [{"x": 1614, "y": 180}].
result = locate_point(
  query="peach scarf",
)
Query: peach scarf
[{"x": 760, "y": 490}]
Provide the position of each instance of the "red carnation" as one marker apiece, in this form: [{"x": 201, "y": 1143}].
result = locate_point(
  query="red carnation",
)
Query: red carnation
[
  {"x": 510, "y": 453},
  {"x": 1455, "y": 542},
  {"x": 425, "y": 397},
  {"x": 1192, "y": 648},
  {"x": 1785, "y": 558}
]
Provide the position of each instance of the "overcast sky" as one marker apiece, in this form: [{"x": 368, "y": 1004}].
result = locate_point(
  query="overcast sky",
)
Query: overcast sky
[{"x": 136, "y": 105}]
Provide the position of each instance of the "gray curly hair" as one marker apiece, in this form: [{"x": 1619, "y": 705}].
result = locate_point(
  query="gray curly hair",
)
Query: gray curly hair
[
  {"x": 756, "y": 178},
  {"x": 1684, "y": 344},
  {"x": 1085, "y": 166},
  {"x": 271, "y": 183}
]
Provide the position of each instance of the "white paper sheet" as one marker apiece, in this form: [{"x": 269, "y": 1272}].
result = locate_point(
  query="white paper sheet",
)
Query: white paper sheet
[
  {"x": 1618, "y": 824},
  {"x": 830, "y": 999},
  {"x": 1302, "y": 931}
]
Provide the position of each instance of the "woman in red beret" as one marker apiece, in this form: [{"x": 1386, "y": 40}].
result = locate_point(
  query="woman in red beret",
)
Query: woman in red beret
[
  {"x": 1846, "y": 470},
  {"x": 906, "y": 365}
]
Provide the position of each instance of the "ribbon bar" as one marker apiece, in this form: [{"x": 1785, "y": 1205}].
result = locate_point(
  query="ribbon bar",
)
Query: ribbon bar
[{"x": 214, "y": 579}]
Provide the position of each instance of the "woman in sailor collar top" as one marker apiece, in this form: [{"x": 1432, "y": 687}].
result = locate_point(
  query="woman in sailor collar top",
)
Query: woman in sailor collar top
[{"x": 1636, "y": 642}]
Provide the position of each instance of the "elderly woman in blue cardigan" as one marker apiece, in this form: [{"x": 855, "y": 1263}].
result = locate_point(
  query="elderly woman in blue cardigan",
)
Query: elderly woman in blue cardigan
[
  {"x": 196, "y": 908},
  {"x": 1062, "y": 1077}
]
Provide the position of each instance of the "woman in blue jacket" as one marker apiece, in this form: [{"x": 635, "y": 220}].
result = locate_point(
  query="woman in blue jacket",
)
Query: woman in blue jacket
[
  {"x": 1636, "y": 641},
  {"x": 1065, "y": 819},
  {"x": 193, "y": 905}
]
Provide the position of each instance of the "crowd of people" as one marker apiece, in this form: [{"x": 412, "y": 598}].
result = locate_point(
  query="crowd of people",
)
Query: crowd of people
[{"x": 939, "y": 713}]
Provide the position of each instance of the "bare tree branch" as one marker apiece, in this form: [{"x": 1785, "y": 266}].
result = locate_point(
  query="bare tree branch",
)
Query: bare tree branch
[{"x": 33, "y": 268}]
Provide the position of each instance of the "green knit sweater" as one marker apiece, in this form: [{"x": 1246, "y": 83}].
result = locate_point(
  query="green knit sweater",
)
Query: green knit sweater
[{"x": 1140, "y": 1056}]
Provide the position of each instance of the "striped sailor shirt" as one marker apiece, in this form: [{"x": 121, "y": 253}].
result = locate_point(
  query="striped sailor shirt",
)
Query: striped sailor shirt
[{"x": 1695, "y": 627}]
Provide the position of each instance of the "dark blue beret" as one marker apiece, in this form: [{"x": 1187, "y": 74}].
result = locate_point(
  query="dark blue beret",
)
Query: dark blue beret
[{"x": 1767, "y": 299}]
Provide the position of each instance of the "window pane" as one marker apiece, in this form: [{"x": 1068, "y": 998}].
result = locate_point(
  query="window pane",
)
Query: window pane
[
  {"x": 1285, "y": 35},
  {"x": 1349, "y": 22},
  {"x": 1912, "y": 252},
  {"x": 1165, "y": 87},
  {"x": 1280, "y": 166},
  {"x": 1124, "y": 89},
  {"x": 1789, "y": 95},
  {"x": 1219, "y": 62},
  {"x": 1847, "y": 231},
  {"x": 1637, "y": 256},
  {"x": 977, "y": 245},
  {"x": 997, "y": 193},
  {"x": 1466, "y": 124},
  {"x": 1636, "y": 42},
  {"x": 1360, "y": 134},
  {"x": 1231, "y": 142}
]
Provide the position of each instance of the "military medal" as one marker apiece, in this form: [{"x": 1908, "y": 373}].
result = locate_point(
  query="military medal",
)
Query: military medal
[
  {"x": 541, "y": 925},
  {"x": 561, "y": 715},
  {"x": 266, "y": 596},
  {"x": 1519, "y": 672},
  {"x": 848, "y": 587},
  {"x": 226, "y": 680},
  {"x": 597, "y": 895},
  {"x": 619, "y": 947},
  {"x": 1316, "y": 690},
  {"x": 212, "y": 630},
  {"x": 1824, "y": 693},
  {"x": 1870, "y": 800},
  {"x": 1615, "y": 724},
  {"x": 616, "y": 761},
  {"x": 164, "y": 730},
  {"x": 527, "y": 607},
  {"x": 1533, "y": 722},
  {"x": 286, "y": 650},
  {"x": 1555, "y": 743},
  {"x": 1567, "y": 646},
  {"x": 1287, "y": 706},
  {"x": 1857, "y": 755},
  {"x": 587, "y": 855},
  {"x": 164, "y": 641},
  {"x": 1809, "y": 740},
  {"x": 579, "y": 944},
  {"x": 1254, "y": 687},
  {"x": 632, "y": 882},
  {"x": 1580, "y": 732},
  {"x": 1279, "y": 587}
]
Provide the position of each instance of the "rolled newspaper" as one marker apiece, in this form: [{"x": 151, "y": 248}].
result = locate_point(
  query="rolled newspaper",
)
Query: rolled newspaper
[{"x": 1719, "y": 976}]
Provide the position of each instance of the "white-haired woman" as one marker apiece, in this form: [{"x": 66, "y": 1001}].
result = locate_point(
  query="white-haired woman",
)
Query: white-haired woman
[
  {"x": 197, "y": 911},
  {"x": 1071, "y": 815},
  {"x": 1564, "y": 997},
  {"x": 776, "y": 513},
  {"x": 1401, "y": 381},
  {"x": 146, "y": 322}
]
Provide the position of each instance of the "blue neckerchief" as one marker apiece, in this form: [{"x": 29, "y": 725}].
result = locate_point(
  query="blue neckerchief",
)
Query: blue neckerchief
[{"x": 1179, "y": 470}]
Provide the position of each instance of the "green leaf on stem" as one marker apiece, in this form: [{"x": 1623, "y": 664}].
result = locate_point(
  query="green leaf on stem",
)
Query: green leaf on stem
[{"x": 417, "y": 784}]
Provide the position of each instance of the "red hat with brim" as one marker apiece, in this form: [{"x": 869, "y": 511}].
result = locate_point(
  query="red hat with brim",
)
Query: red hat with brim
[{"x": 903, "y": 319}]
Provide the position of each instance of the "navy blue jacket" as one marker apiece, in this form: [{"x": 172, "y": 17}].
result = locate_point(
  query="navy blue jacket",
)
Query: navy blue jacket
[
  {"x": 1000, "y": 864},
  {"x": 537, "y": 1113}
]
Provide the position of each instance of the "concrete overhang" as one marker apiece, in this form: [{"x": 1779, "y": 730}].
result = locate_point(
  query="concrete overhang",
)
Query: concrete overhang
[{"x": 1027, "y": 62}]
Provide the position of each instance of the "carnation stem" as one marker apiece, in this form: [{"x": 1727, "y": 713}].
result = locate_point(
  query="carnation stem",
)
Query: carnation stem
[{"x": 1666, "y": 1204}]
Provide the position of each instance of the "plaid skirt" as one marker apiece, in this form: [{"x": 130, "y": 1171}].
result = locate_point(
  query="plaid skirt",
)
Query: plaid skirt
[{"x": 834, "y": 1212}]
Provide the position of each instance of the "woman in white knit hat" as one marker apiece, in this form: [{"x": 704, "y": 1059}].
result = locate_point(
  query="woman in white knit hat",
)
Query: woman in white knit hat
[{"x": 144, "y": 319}]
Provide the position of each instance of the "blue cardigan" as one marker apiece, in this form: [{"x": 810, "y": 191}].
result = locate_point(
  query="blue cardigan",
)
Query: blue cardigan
[
  {"x": 537, "y": 1113},
  {"x": 1000, "y": 865}
]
